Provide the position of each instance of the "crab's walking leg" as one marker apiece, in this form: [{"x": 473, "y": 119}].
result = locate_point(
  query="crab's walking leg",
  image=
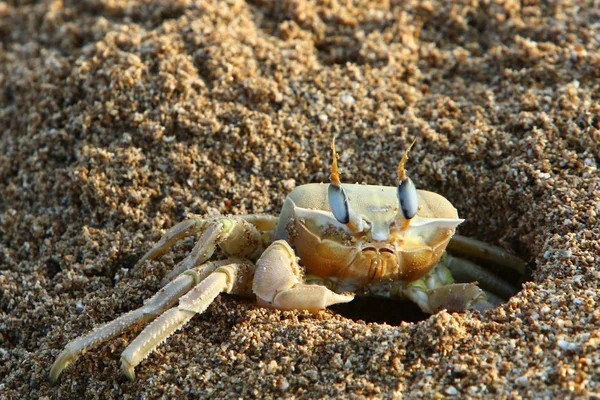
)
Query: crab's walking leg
[
  {"x": 467, "y": 271},
  {"x": 486, "y": 252},
  {"x": 155, "y": 306},
  {"x": 175, "y": 234},
  {"x": 277, "y": 283},
  {"x": 263, "y": 222},
  {"x": 234, "y": 277},
  {"x": 235, "y": 236}
]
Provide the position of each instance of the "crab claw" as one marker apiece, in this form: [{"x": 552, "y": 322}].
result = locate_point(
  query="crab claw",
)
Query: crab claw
[{"x": 277, "y": 283}]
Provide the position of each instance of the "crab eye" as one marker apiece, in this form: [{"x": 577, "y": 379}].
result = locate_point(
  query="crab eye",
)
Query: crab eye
[
  {"x": 407, "y": 196},
  {"x": 338, "y": 202}
]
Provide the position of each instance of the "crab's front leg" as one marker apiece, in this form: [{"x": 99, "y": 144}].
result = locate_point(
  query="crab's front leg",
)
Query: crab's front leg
[
  {"x": 437, "y": 291},
  {"x": 456, "y": 297},
  {"x": 278, "y": 283}
]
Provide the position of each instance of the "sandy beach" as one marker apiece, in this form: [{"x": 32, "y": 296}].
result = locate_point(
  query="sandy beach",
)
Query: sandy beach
[{"x": 120, "y": 118}]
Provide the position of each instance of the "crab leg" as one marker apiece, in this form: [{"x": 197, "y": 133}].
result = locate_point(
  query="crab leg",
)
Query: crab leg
[
  {"x": 153, "y": 307},
  {"x": 235, "y": 236},
  {"x": 465, "y": 270},
  {"x": 486, "y": 252},
  {"x": 231, "y": 278},
  {"x": 202, "y": 251},
  {"x": 263, "y": 222},
  {"x": 175, "y": 234},
  {"x": 162, "y": 300},
  {"x": 277, "y": 283}
]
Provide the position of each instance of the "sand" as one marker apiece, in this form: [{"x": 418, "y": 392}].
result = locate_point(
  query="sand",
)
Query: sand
[{"x": 120, "y": 118}]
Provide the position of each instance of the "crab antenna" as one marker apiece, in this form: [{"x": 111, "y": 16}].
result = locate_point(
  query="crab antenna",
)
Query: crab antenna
[
  {"x": 401, "y": 169},
  {"x": 335, "y": 172}
]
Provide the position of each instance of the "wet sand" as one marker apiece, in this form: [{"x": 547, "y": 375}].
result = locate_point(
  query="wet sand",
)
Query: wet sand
[{"x": 120, "y": 118}]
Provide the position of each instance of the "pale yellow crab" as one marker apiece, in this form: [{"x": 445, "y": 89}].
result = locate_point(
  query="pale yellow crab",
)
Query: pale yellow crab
[{"x": 330, "y": 242}]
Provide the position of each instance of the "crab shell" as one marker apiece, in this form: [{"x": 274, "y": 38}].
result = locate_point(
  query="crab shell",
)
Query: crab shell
[{"x": 389, "y": 249}]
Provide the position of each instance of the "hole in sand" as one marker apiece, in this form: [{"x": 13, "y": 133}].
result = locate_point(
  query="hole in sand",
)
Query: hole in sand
[{"x": 380, "y": 310}]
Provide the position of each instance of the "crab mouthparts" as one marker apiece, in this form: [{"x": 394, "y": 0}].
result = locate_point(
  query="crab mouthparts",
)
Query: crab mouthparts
[{"x": 380, "y": 248}]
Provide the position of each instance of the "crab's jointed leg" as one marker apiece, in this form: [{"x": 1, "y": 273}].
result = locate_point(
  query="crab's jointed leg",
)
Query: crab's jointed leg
[
  {"x": 175, "y": 234},
  {"x": 467, "y": 271},
  {"x": 437, "y": 290},
  {"x": 486, "y": 252},
  {"x": 453, "y": 297},
  {"x": 201, "y": 276},
  {"x": 263, "y": 223},
  {"x": 234, "y": 277},
  {"x": 155, "y": 306},
  {"x": 487, "y": 256},
  {"x": 236, "y": 236},
  {"x": 278, "y": 284}
]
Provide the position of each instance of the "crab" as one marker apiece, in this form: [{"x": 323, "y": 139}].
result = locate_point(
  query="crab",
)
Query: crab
[{"x": 330, "y": 242}]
